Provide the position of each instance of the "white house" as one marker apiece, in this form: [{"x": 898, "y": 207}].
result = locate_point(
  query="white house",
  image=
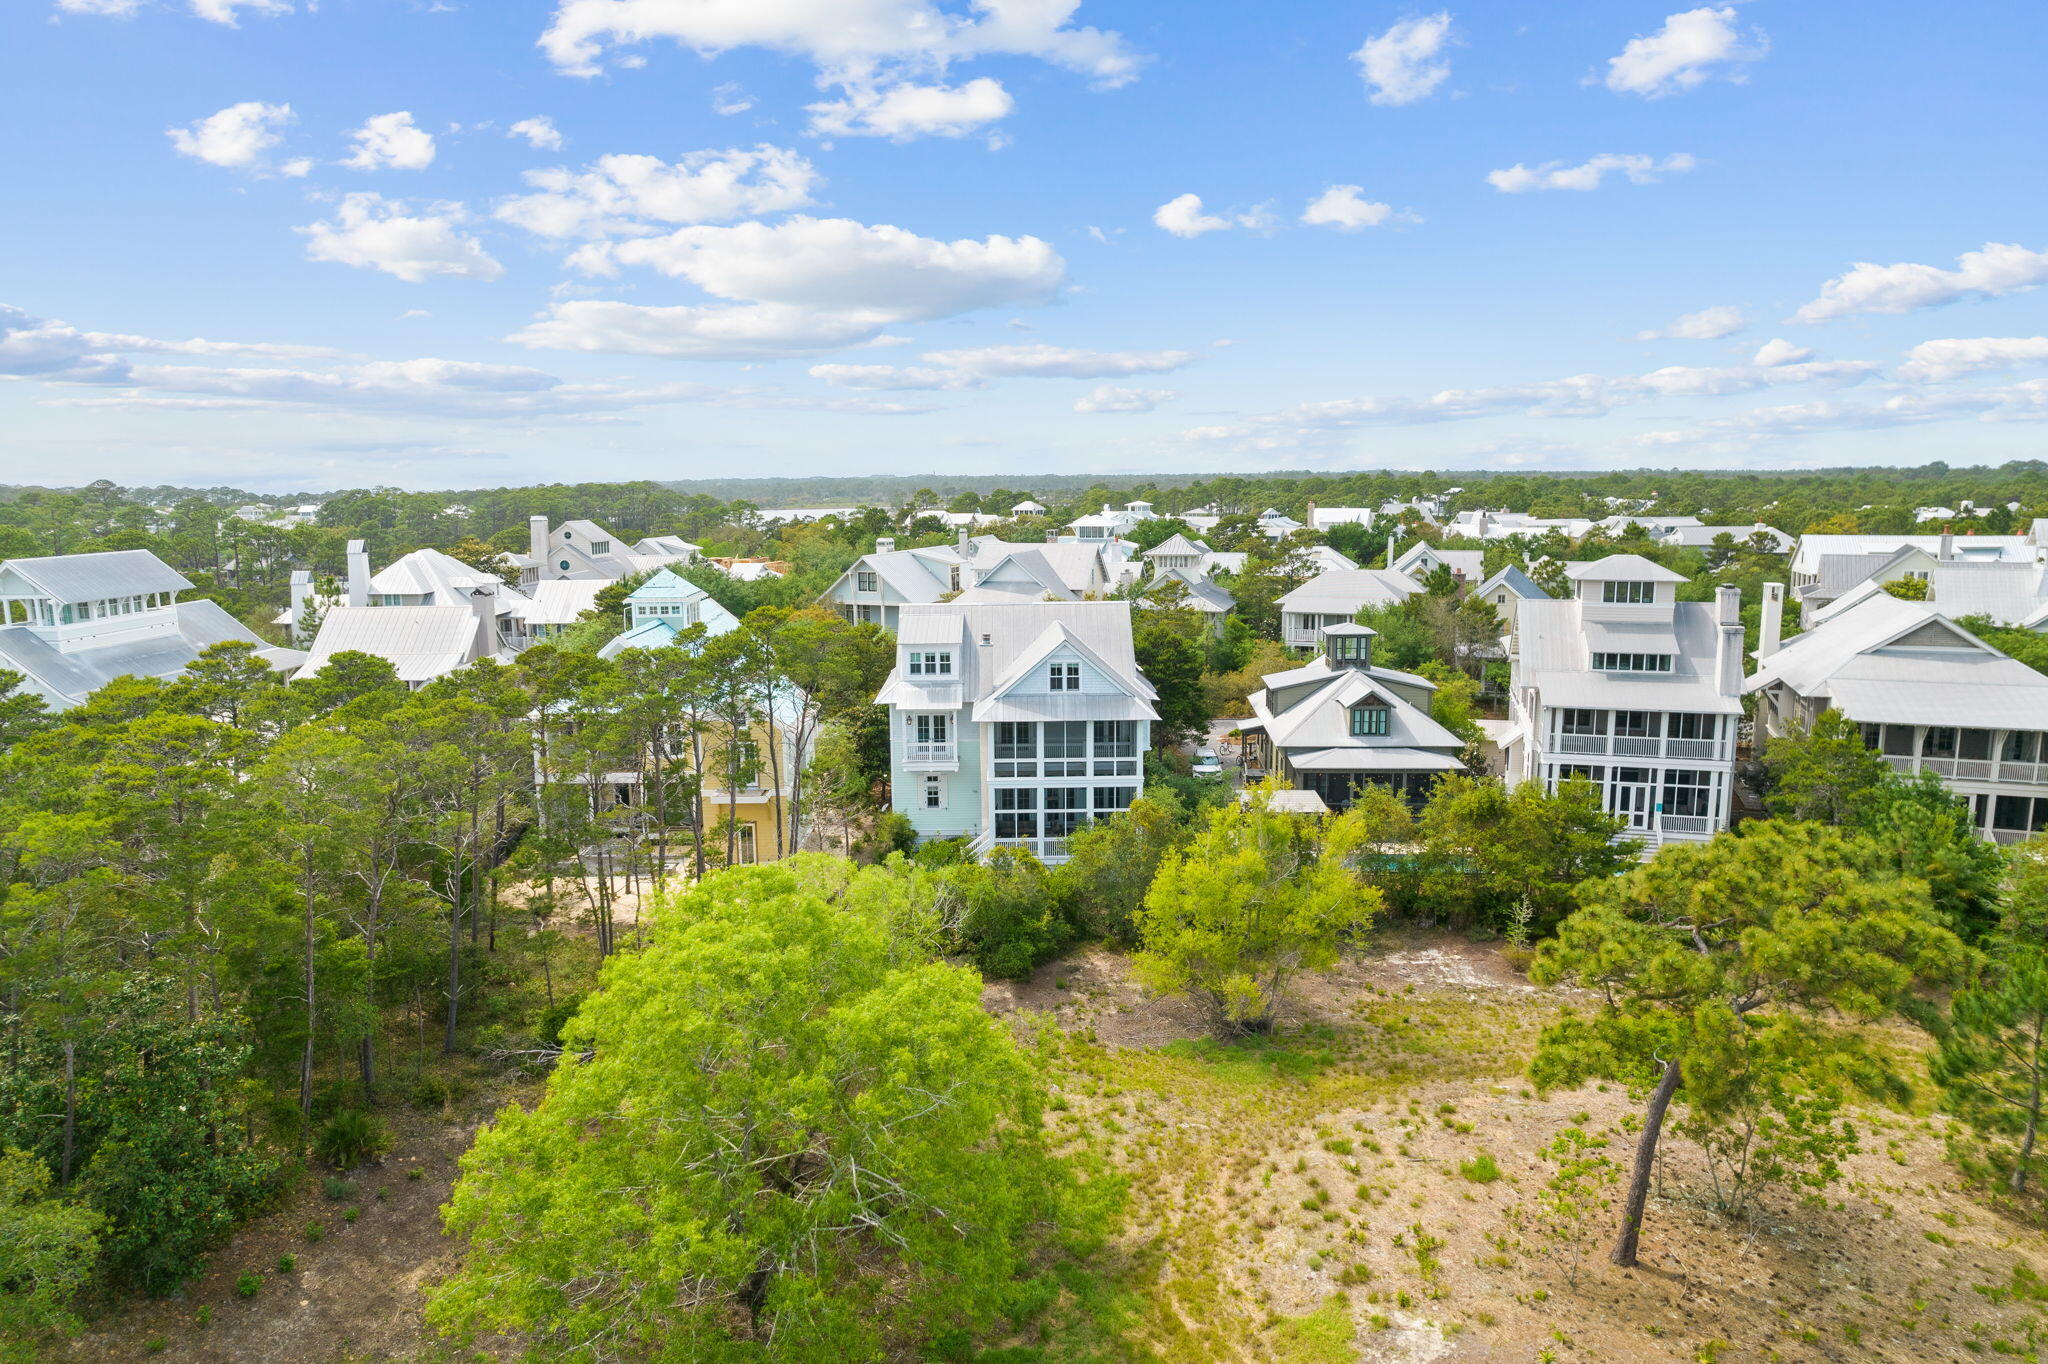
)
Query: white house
[
  {"x": 1929, "y": 695},
  {"x": 1806, "y": 558},
  {"x": 1325, "y": 518},
  {"x": 1505, "y": 592},
  {"x": 71, "y": 623},
  {"x": 1340, "y": 724},
  {"x": 879, "y": 584},
  {"x": 1334, "y": 598},
  {"x": 584, "y": 549},
  {"x": 1015, "y": 723},
  {"x": 1634, "y": 690},
  {"x": 550, "y": 607},
  {"x": 1696, "y": 536},
  {"x": 1422, "y": 558},
  {"x": 1110, "y": 522}
]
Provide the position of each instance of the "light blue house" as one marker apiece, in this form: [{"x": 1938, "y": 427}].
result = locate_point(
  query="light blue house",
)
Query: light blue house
[
  {"x": 1014, "y": 723},
  {"x": 662, "y": 608}
]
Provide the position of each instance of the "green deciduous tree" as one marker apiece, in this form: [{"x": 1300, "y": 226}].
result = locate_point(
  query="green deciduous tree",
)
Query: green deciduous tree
[
  {"x": 774, "y": 1141},
  {"x": 1255, "y": 897},
  {"x": 1822, "y": 773},
  {"x": 1727, "y": 967},
  {"x": 1110, "y": 864},
  {"x": 47, "y": 1248}
]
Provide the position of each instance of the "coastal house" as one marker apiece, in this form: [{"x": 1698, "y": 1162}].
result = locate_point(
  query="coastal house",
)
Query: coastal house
[
  {"x": 1341, "y": 724},
  {"x": 71, "y": 623},
  {"x": 878, "y": 585},
  {"x": 1422, "y": 558},
  {"x": 1335, "y": 598},
  {"x": 1927, "y": 694},
  {"x": 1634, "y": 690},
  {"x": 662, "y": 608},
  {"x": 1014, "y": 723},
  {"x": 584, "y": 549}
]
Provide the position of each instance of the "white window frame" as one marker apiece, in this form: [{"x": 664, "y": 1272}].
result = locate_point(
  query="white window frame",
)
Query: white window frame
[{"x": 1064, "y": 677}]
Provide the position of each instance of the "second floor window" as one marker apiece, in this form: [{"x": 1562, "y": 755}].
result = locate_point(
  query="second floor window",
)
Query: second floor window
[
  {"x": 1688, "y": 725},
  {"x": 1583, "y": 721},
  {"x": 865, "y": 581},
  {"x": 1636, "y": 724},
  {"x": 1629, "y": 594},
  {"x": 929, "y": 663},
  {"x": 930, "y": 729},
  {"x": 1369, "y": 722},
  {"x": 1066, "y": 677}
]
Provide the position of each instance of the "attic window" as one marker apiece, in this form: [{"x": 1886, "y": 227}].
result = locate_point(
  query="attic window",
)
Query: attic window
[
  {"x": 1065, "y": 677},
  {"x": 1632, "y": 663},
  {"x": 1369, "y": 722},
  {"x": 564, "y": 565},
  {"x": 600, "y": 546}
]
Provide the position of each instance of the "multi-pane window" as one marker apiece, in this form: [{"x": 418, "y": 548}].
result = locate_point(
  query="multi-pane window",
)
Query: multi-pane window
[
  {"x": 1688, "y": 793},
  {"x": 1629, "y": 594},
  {"x": 934, "y": 793},
  {"x": 931, "y": 729},
  {"x": 1066, "y": 809},
  {"x": 1350, "y": 648},
  {"x": 931, "y": 663},
  {"x": 1016, "y": 811},
  {"x": 1632, "y": 663},
  {"x": 866, "y": 581},
  {"x": 1116, "y": 738},
  {"x": 1583, "y": 721},
  {"x": 1690, "y": 725},
  {"x": 1635, "y": 724},
  {"x": 1369, "y": 722},
  {"x": 1016, "y": 739},
  {"x": 1940, "y": 742},
  {"x": 1065, "y": 677},
  {"x": 1066, "y": 748}
]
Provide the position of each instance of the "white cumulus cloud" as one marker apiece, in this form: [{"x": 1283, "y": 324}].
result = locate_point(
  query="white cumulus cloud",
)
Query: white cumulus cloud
[
  {"x": 1641, "y": 170},
  {"x": 371, "y": 232},
  {"x": 908, "y": 110},
  {"x": 1402, "y": 65},
  {"x": 1708, "y": 324},
  {"x": 539, "y": 131},
  {"x": 391, "y": 141},
  {"x": 1999, "y": 268},
  {"x": 240, "y": 136},
  {"x": 1345, "y": 208},
  {"x": 1110, "y": 398},
  {"x": 1779, "y": 351},
  {"x": 1953, "y": 357},
  {"x": 631, "y": 194},
  {"x": 1184, "y": 216},
  {"x": 1682, "y": 54},
  {"x": 800, "y": 286}
]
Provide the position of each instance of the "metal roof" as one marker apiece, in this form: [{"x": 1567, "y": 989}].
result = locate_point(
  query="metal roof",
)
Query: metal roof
[
  {"x": 420, "y": 642},
  {"x": 1372, "y": 760},
  {"x": 1344, "y": 591},
  {"x": 1806, "y": 558},
  {"x": 106, "y": 573},
  {"x": 1516, "y": 582},
  {"x": 1321, "y": 718},
  {"x": 1554, "y": 656},
  {"x": 429, "y": 571},
  {"x": 1621, "y": 568},
  {"x": 67, "y": 677},
  {"x": 556, "y": 601},
  {"x": 1014, "y": 631}
]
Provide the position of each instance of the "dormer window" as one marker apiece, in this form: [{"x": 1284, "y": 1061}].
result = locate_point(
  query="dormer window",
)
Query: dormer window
[
  {"x": 1629, "y": 594},
  {"x": 1350, "y": 648},
  {"x": 600, "y": 546},
  {"x": 864, "y": 581},
  {"x": 1065, "y": 677},
  {"x": 1369, "y": 721},
  {"x": 955, "y": 577},
  {"x": 1632, "y": 663},
  {"x": 931, "y": 663}
]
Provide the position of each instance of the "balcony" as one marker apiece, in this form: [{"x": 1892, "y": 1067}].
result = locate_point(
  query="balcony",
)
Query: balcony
[
  {"x": 931, "y": 757},
  {"x": 1631, "y": 746},
  {"x": 1972, "y": 769}
]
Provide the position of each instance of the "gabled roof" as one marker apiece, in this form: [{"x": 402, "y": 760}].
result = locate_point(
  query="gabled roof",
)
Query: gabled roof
[
  {"x": 663, "y": 584},
  {"x": 1320, "y": 720},
  {"x": 105, "y": 573},
  {"x": 1516, "y": 582},
  {"x": 1203, "y": 595},
  {"x": 1344, "y": 591},
  {"x": 1890, "y": 661},
  {"x": 1011, "y": 629},
  {"x": 557, "y": 601},
  {"x": 1621, "y": 568},
  {"x": 1555, "y": 656},
  {"x": 429, "y": 571}
]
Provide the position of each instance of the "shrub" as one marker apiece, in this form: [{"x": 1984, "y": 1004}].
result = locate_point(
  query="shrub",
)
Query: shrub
[
  {"x": 249, "y": 1283},
  {"x": 315, "y": 1232},
  {"x": 337, "y": 1189},
  {"x": 1011, "y": 921},
  {"x": 1481, "y": 1169},
  {"x": 351, "y": 1214},
  {"x": 287, "y": 1262},
  {"x": 548, "y": 1026},
  {"x": 351, "y": 1138}
]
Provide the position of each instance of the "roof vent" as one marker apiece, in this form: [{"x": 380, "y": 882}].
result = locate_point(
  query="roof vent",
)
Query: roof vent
[{"x": 986, "y": 641}]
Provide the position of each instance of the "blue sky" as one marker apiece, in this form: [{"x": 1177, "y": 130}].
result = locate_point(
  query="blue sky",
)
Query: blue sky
[{"x": 285, "y": 245}]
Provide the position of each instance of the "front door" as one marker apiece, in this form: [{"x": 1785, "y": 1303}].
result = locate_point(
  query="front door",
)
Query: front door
[{"x": 1632, "y": 796}]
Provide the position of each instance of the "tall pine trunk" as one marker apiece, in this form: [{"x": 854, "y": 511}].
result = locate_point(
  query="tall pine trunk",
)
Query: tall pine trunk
[{"x": 1646, "y": 1159}]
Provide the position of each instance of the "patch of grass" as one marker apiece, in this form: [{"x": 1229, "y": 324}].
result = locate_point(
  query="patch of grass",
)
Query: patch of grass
[
  {"x": 1258, "y": 1060},
  {"x": 248, "y": 1284},
  {"x": 1321, "y": 1337},
  {"x": 1481, "y": 1169}
]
